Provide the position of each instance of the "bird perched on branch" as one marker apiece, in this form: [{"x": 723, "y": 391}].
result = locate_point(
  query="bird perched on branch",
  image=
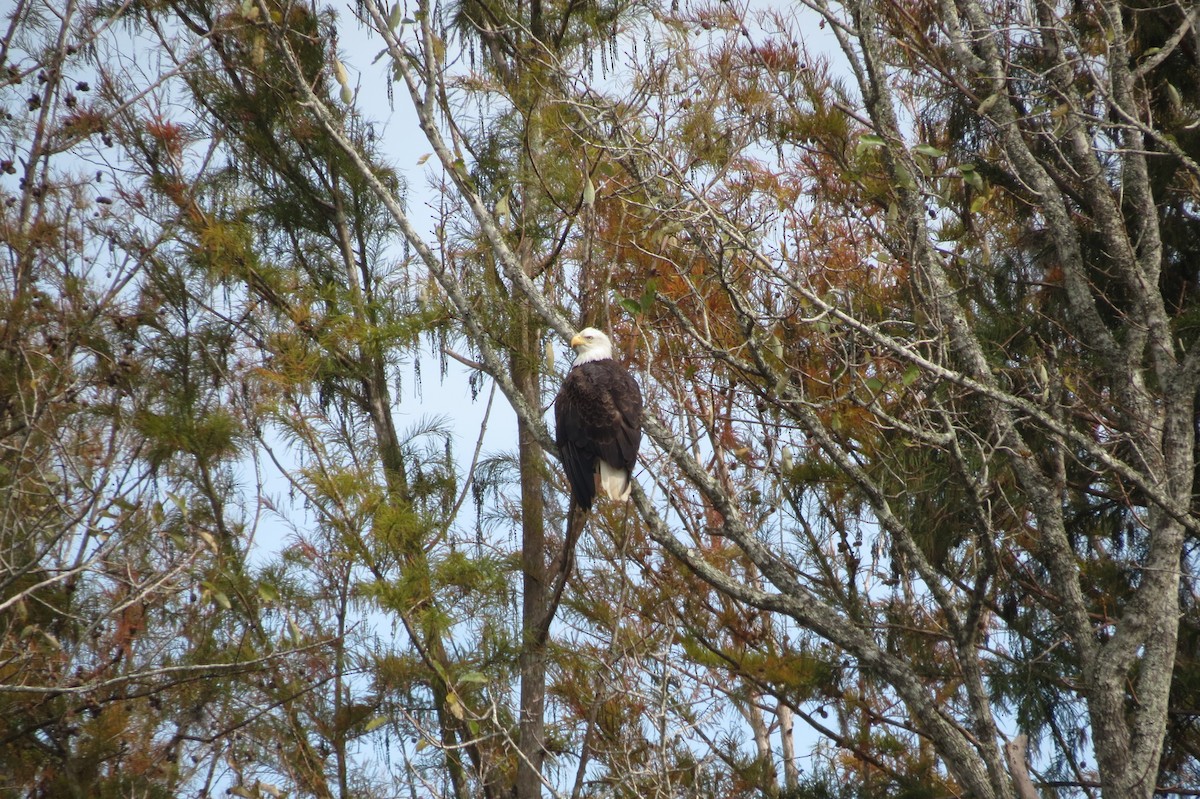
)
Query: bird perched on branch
[{"x": 598, "y": 421}]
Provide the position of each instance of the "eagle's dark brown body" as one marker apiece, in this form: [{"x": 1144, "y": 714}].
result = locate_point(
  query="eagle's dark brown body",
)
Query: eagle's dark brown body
[{"x": 598, "y": 420}]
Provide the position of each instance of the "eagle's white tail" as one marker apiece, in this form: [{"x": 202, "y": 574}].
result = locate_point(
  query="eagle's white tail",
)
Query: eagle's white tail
[{"x": 615, "y": 482}]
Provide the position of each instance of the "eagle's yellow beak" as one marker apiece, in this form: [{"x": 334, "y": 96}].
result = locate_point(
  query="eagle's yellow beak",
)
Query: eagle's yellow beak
[{"x": 577, "y": 341}]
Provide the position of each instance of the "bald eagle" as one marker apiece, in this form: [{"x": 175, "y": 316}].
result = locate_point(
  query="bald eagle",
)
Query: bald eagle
[{"x": 598, "y": 421}]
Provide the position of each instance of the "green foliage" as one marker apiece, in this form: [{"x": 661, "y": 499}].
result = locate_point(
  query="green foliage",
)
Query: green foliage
[
  {"x": 919, "y": 430},
  {"x": 213, "y": 436}
]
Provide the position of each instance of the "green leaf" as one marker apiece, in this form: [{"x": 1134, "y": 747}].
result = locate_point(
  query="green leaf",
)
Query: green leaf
[
  {"x": 455, "y": 706},
  {"x": 910, "y": 375},
  {"x": 180, "y": 502},
  {"x": 868, "y": 142},
  {"x": 973, "y": 178},
  {"x": 217, "y": 595},
  {"x": 375, "y": 723},
  {"x": 473, "y": 676},
  {"x": 988, "y": 102},
  {"x": 874, "y": 385},
  {"x": 647, "y": 300},
  {"x": 1174, "y": 95},
  {"x": 209, "y": 540},
  {"x": 631, "y": 306},
  {"x": 928, "y": 150}
]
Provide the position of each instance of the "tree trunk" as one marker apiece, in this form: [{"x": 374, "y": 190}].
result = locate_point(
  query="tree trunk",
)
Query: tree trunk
[
  {"x": 532, "y": 662},
  {"x": 791, "y": 775}
]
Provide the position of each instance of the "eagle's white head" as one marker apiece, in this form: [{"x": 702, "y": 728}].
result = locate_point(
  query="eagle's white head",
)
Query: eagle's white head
[{"x": 591, "y": 345}]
